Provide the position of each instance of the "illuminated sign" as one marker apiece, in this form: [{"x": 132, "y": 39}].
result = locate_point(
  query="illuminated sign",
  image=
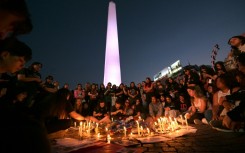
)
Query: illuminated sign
[{"x": 168, "y": 71}]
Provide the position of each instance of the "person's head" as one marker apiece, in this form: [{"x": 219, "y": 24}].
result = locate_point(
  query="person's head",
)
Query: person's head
[
  {"x": 13, "y": 55},
  {"x": 236, "y": 41},
  {"x": 139, "y": 85},
  {"x": 93, "y": 86},
  {"x": 109, "y": 85},
  {"x": 219, "y": 67},
  {"x": 182, "y": 97},
  {"x": 49, "y": 79},
  {"x": 132, "y": 84},
  {"x": 138, "y": 101},
  {"x": 241, "y": 62},
  {"x": 102, "y": 86},
  {"x": 79, "y": 86},
  {"x": 78, "y": 101},
  {"x": 102, "y": 104},
  {"x": 121, "y": 86},
  {"x": 36, "y": 66},
  {"x": 15, "y": 18},
  {"x": 162, "y": 98},
  {"x": 66, "y": 86},
  {"x": 127, "y": 103},
  {"x": 223, "y": 82},
  {"x": 148, "y": 80},
  {"x": 21, "y": 96},
  {"x": 154, "y": 99},
  {"x": 117, "y": 104},
  {"x": 195, "y": 91},
  {"x": 187, "y": 71},
  {"x": 168, "y": 99}
]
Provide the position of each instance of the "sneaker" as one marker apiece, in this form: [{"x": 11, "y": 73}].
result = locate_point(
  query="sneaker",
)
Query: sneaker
[
  {"x": 204, "y": 121},
  {"x": 197, "y": 121}
]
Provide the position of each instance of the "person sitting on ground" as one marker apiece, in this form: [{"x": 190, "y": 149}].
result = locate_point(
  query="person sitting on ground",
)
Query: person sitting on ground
[
  {"x": 234, "y": 118},
  {"x": 170, "y": 107},
  {"x": 138, "y": 109},
  {"x": 127, "y": 110},
  {"x": 198, "y": 105},
  {"x": 101, "y": 113},
  {"x": 117, "y": 111},
  {"x": 155, "y": 110}
]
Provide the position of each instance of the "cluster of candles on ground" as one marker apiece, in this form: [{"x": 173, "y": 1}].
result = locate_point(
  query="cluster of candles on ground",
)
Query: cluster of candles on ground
[{"x": 162, "y": 125}]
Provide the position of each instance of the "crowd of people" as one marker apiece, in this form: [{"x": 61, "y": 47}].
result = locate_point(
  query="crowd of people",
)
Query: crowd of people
[{"x": 31, "y": 107}]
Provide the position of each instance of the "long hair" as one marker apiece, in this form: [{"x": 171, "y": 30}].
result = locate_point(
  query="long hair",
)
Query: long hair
[{"x": 60, "y": 102}]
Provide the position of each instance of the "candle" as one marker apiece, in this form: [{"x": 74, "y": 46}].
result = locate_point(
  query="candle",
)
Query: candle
[
  {"x": 98, "y": 135},
  {"x": 112, "y": 119},
  {"x": 108, "y": 138},
  {"x": 186, "y": 122},
  {"x": 141, "y": 130},
  {"x": 182, "y": 120},
  {"x": 148, "y": 131},
  {"x": 139, "y": 118},
  {"x": 106, "y": 130},
  {"x": 97, "y": 128},
  {"x": 131, "y": 134},
  {"x": 80, "y": 131},
  {"x": 89, "y": 127},
  {"x": 138, "y": 128},
  {"x": 75, "y": 124},
  {"x": 125, "y": 131}
]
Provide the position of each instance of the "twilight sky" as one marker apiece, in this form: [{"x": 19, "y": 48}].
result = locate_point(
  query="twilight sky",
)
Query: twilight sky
[{"x": 69, "y": 36}]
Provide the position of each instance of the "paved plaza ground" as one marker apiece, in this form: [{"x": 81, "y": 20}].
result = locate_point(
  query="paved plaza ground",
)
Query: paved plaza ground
[{"x": 204, "y": 140}]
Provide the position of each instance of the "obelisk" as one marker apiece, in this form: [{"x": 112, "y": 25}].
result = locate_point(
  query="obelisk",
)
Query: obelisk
[{"x": 112, "y": 70}]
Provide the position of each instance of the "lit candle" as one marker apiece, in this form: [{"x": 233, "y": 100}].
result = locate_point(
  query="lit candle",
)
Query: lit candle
[
  {"x": 139, "y": 118},
  {"x": 106, "y": 130},
  {"x": 148, "y": 131},
  {"x": 138, "y": 128},
  {"x": 75, "y": 124},
  {"x": 141, "y": 130},
  {"x": 97, "y": 128},
  {"x": 131, "y": 134},
  {"x": 182, "y": 120},
  {"x": 186, "y": 122},
  {"x": 125, "y": 131},
  {"x": 98, "y": 135},
  {"x": 108, "y": 138},
  {"x": 112, "y": 119}
]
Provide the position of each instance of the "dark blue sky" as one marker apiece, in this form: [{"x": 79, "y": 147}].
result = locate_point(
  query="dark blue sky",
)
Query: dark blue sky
[{"x": 69, "y": 36}]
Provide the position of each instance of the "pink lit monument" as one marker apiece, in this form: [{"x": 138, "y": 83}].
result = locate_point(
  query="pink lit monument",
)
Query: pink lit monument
[{"x": 112, "y": 71}]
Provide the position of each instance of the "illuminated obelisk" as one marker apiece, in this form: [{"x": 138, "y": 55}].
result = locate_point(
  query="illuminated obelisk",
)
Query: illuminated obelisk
[{"x": 112, "y": 71}]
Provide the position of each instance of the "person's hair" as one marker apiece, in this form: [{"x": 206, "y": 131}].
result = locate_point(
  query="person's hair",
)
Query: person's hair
[
  {"x": 150, "y": 82},
  {"x": 221, "y": 64},
  {"x": 241, "y": 59},
  {"x": 18, "y": 8},
  {"x": 35, "y": 63},
  {"x": 76, "y": 107},
  {"x": 242, "y": 39},
  {"x": 198, "y": 91},
  {"x": 16, "y": 48},
  {"x": 226, "y": 80},
  {"x": 60, "y": 103}
]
